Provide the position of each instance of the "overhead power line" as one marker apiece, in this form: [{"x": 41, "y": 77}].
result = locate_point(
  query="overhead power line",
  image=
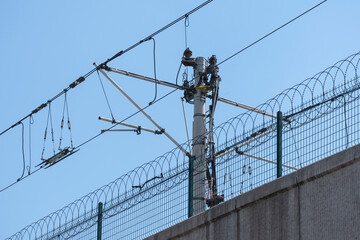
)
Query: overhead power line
[
  {"x": 159, "y": 31},
  {"x": 82, "y": 78},
  {"x": 272, "y": 32}
]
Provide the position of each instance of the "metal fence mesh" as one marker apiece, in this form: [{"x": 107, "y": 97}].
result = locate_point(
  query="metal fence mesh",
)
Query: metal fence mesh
[{"x": 322, "y": 119}]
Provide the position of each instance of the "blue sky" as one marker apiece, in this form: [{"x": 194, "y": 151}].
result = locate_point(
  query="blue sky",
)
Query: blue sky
[{"x": 46, "y": 45}]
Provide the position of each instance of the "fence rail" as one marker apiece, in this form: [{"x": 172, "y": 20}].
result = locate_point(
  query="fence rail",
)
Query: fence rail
[{"x": 320, "y": 117}]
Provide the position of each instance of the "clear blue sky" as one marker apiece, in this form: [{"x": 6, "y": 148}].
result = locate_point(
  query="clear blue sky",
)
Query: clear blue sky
[{"x": 46, "y": 45}]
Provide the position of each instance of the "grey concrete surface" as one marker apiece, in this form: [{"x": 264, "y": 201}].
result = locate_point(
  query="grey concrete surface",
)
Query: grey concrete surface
[{"x": 320, "y": 201}]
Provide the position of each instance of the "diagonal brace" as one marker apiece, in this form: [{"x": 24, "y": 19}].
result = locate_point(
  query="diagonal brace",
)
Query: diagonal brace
[
  {"x": 141, "y": 110},
  {"x": 262, "y": 159}
]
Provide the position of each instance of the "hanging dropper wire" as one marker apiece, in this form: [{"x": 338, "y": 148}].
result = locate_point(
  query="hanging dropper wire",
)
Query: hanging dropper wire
[
  {"x": 154, "y": 56},
  {"x": 22, "y": 150},
  {"x": 68, "y": 121},
  {"x": 31, "y": 122}
]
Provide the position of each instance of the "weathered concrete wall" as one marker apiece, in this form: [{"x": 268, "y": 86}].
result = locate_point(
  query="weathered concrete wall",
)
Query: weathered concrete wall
[{"x": 320, "y": 201}]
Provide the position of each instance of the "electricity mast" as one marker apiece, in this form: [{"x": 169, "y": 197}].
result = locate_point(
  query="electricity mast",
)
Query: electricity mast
[{"x": 203, "y": 174}]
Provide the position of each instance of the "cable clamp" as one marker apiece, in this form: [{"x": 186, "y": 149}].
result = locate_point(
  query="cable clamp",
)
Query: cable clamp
[
  {"x": 238, "y": 151},
  {"x": 39, "y": 108},
  {"x": 138, "y": 130}
]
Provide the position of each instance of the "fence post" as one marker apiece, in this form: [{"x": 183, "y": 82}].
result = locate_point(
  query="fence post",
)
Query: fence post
[
  {"x": 279, "y": 126},
  {"x": 191, "y": 187},
  {"x": 99, "y": 225}
]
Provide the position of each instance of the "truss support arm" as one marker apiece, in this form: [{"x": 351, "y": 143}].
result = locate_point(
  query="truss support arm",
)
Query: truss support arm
[
  {"x": 168, "y": 84},
  {"x": 142, "y": 111},
  {"x": 148, "y": 79}
]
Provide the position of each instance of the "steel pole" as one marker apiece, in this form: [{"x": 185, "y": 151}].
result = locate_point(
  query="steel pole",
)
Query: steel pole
[
  {"x": 99, "y": 222},
  {"x": 279, "y": 145},
  {"x": 191, "y": 187},
  {"x": 199, "y": 139}
]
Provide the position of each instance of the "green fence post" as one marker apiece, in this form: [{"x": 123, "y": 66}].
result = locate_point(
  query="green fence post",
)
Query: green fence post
[
  {"x": 99, "y": 225},
  {"x": 279, "y": 144},
  {"x": 191, "y": 187}
]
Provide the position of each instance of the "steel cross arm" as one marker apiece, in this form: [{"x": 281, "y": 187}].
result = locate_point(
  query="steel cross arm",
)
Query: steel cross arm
[
  {"x": 172, "y": 85},
  {"x": 148, "y": 79},
  {"x": 129, "y": 125},
  {"x": 263, "y": 159},
  {"x": 224, "y": 100},
  {"x": 141, "y": 110}
]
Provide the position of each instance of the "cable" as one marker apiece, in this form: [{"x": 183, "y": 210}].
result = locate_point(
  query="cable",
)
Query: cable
[
  {"x": 267, "y": 35},
  {"x": 154, "y": 74},
  {"x": 23, "y": 153},
  {"x": 82, "y": 78},
  {"x": 68, "y": 121},
  {"x": 186, "y": 126},
  {"x": 97, "y": 135},
  {"x": 158, "y": 31},
  {"x": 12, "y": 184},
  {"x": 177, "y": 75},
  {"x": 31, "y": 121},
  {"x": 52, "y": 129},
  {"x": 107, "y": 100}
]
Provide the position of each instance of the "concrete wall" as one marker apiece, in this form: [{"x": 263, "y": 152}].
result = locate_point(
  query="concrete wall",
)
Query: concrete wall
[{"x": 320, "y": 201}]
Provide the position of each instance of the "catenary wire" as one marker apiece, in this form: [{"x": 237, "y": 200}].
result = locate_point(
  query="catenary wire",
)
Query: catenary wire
[
  {"x": 159, "y": 31},
  {"x": 12, "y": 184},
  {"x": 270, "y": 33},
  {"x": 82, "y": 78},
  {"x": 75, "y": 83},
  {"x": 94, "y": 137}
]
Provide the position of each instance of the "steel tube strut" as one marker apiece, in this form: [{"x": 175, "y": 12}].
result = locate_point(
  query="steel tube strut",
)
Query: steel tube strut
[
  {"x": 128, "y": 125},
  {"x": 148, "y": 79},
  {"x": 220, "y": 154},
  {"x": 224, "y": 100},
  {"x": 264, "y": 159},
  {"x": 142, "y": 111}
]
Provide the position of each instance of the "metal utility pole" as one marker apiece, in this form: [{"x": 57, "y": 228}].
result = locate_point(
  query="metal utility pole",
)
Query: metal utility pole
[
  {"x": 202, "y": 172},
  {"x": 199, "y": 139},
  {"x": 202, "y": 168}
]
